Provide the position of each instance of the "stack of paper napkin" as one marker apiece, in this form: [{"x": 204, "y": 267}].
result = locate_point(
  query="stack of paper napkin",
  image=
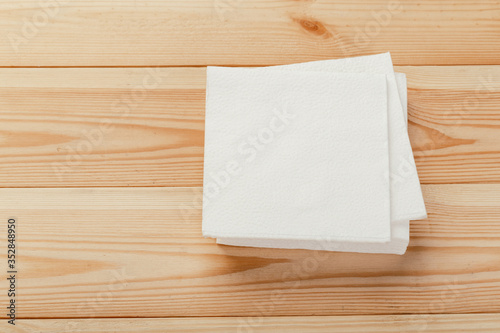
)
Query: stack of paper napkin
[{"x": 310, "y": 156}]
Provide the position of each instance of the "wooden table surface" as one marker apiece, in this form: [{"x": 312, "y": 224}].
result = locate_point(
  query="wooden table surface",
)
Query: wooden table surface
[{"x": 101, "y": 142}]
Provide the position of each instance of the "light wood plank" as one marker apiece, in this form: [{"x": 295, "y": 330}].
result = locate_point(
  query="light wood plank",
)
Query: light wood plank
[
  {"x": 138, "y": 252},
  {"x": 474, "y": 323},
  {"x": 55, "y": 133},
  {"x": 454, "y": 116},
  {"x": 236, "y": 32},
  {"x": 102, "y": 127}
]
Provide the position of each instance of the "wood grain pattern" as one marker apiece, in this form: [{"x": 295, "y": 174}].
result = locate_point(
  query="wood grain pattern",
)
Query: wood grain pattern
[
  {"x": 70, "y": 127},
  {"x": 102, "y": 127},
  {"x": 102, "y": 166},
  {"x": 477, "y": 323},
  {"x": 138, "y": 252},
  {"x": 454, "y": 117},
  {"x": 236, "y": 32}
]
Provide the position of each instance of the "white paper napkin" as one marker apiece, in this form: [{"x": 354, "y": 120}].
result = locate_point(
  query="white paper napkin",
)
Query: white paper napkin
[
  {"x": 296, "y": 155},
  {"x": 400, "y": 230},
  {"x": 403, "y": 94},
  {"x": 383, "y": 64},
  {"x": 406, "y": 195},
  {"x": 398, "y": 244}
]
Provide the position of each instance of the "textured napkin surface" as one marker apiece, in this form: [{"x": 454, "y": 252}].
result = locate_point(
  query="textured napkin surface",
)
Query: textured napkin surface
[
  {"x": 400, "y": 230},
  {"x": 403, "y": 94},
  {"x": 397, "y": 245},
  {"x": 399, "y": 225},
  {"x": 296, "y": 155},
  {"x": 405, "y": 168},
  {"x": 406, "y": 195}
]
